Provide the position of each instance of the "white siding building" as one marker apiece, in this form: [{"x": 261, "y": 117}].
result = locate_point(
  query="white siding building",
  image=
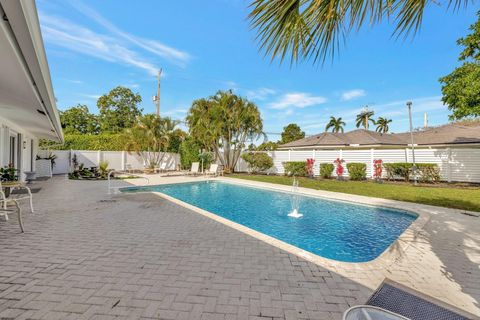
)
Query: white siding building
[{"x": 28, "y": 110}]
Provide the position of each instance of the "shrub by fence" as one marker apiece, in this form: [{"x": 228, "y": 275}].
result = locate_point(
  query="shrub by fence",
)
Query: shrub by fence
[
  {"x": 427, "y": 172},
  {"x": 295, "y": 168},
  {"x": 258, "y": 161},
  {"x": 326, "y": 170},
  {"x": 357, "y": 170}
]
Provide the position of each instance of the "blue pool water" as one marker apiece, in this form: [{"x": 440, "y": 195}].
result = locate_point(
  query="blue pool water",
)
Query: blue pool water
[{"x": 332, "y": 229}]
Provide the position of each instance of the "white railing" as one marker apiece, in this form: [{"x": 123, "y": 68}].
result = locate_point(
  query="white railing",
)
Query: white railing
[{"x": 115, "y": 189}]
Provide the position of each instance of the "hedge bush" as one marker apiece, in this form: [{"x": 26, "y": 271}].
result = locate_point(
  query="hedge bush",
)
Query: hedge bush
[
  {"x": 357, "y": 170},
  {"x": 427, "y": 172},
  {"x": 189, "y": 152},
  {"x": 295, "y": 168},
  {"x": 326, "y": 170},
  {"x": 257, "y": 161},
  {"x": 103, "y": 141}
]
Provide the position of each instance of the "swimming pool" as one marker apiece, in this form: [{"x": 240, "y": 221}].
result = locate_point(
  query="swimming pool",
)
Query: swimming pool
[{"x": 336, "y": 230}]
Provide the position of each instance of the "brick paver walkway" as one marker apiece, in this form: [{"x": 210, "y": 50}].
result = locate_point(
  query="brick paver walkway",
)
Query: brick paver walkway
[{"x": 143, "y": 257}]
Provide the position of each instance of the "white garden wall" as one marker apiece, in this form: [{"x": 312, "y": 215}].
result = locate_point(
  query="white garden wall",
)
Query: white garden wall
[
  {"x": 456, "y": 164},
  {"x": 118, "y": 160}
]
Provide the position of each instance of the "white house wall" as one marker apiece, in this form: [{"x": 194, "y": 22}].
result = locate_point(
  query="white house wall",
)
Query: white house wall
[
  {"x": 456, "y": 164},
  {"x": 25, "y": 146}
]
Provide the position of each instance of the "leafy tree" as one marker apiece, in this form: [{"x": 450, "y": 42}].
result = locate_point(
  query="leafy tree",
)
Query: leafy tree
[
  {"x": 268, "y": 146},
  {"x": 303, "y": 29},
  {"x": 383, "y": 124},
  {"x": 223, "y": 123},
  {"x": 78, "y": 119},
  {"x": 189, "y": 152},
  {"x": 119, "y": 109},
  {"x": 461, "y": 88},
  {"x": 336, "y": 124},
  {"x": 176, "y": 138},
  {"x": 291, "y": 132},
  {"x": 149, "y": 138},
  {"x": 364, "y": 117}
]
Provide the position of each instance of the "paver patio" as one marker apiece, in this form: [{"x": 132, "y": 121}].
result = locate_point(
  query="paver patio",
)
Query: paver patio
[{"x": 87, "y": 255}]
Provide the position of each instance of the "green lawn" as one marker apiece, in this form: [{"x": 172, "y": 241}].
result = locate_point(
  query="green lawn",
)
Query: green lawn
[{"x": 459, "y": 198}]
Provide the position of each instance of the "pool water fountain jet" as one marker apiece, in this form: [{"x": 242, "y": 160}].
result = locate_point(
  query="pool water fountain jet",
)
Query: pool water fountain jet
[{"x": 295, "y": 200}]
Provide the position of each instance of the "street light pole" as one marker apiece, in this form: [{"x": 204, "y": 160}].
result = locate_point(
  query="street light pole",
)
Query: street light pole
[
  {"x": 156, "y": 98},
  {"x": 414, "y": 167}
]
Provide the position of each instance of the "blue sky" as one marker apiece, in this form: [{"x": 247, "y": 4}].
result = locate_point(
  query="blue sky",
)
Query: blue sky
[{"x": 204, "y": 46}]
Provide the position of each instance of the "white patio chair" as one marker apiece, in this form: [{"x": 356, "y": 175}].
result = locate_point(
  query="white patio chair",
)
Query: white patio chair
[
  {"x": 194, "y": 170},
  {"x": 212, "y": 171},
  {"x": 4, "y": 212},
  {"x": 18, "y": 197}
]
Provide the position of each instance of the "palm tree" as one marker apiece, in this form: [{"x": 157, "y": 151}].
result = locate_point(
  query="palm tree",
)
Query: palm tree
[
  {"x": 304, "y": 29},
  {"x": 364, "y": 117},
  {"x": 336, "y": 124},
  {"x": 224, "y": 123},
  {"x": 382, "y": 124},
  {"x": 150, "y": 137}
]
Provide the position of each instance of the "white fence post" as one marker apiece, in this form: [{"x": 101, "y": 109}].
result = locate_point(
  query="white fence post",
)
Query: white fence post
[
  {"x": 449, "y": 165},
  {"x": 123, "y": 160},
  {"x": 289, "y": 155},
  {"x": 406, "y": 154}
]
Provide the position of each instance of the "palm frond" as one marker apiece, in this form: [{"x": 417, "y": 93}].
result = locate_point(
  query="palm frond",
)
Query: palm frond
[{"x": 314, "y": 29}]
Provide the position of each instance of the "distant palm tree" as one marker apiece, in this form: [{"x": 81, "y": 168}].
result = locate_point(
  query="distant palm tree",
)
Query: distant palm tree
[
  {"x": 364, "y": 117},
  {"x": 382, "y": 124},
  {"x": 336, "y": 124}
]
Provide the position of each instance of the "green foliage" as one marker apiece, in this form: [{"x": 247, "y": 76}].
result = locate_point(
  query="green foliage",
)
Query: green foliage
[
  {"x": 149, "y": 138},
  {"x": 398, "y": 169},
  {"x": 314, "y": 29},
  {"x": 364, "y": 118},
  {"x": 427, "y": 172},
  {"x": 295, "y": 168},
  {"x": 336, "y": 124},
  {"x": 79, "y": 120},
  {"x": 189, "y": 152},
  {"x": 205, "y": 158},
  {"x": 383, "y": 124},
  {"x": 357, "y": 171},
  {"x": 223, "y": 123},
  {"x": 103, "y": 141},
  {"x": 8, "y": 173},
  {"x": 258, "y": 161},
  {"x": 119, "y": 109},
  {"x": 268, "y": 146},
  {"x": 461, "y": 88},
  {"x": 103, "y": 169},
  {"x": 291, "y": 132},
  {"x": 326, "y": 170}
]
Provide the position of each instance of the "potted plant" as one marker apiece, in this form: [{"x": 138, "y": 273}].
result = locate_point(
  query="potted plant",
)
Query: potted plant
[{"x": 8, "y": 173}]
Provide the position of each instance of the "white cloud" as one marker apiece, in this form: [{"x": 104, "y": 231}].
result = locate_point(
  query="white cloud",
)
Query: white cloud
[
  {"x": 66, "y": 34},
  {"x": 91, "y": 96},
  {"x": 353, "y": 94},
  {"x": 297, "y": 100},
  {"x": 171, "y": 54},
  {"x": 260, "y": 94}
]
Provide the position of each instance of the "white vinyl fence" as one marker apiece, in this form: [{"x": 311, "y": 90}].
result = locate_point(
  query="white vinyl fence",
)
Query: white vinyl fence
[
  {"x": 118, "y": 160},
  {"x": 456, "y": 164}
]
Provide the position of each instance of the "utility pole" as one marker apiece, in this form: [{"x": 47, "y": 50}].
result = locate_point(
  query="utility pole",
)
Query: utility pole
[
  {"x": 414, "y": 167},
  {"x": 156, "y": 98}
]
